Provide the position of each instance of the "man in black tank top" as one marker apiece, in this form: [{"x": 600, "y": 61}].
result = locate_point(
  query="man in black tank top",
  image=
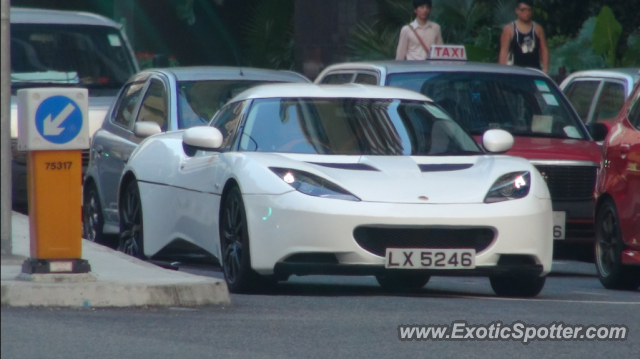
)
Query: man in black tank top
[{"x": 523, "y": 42}]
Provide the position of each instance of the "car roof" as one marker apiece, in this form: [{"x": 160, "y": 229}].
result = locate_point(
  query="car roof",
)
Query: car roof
[
  {"x": 328, "y": 91},
  {"x": 196, "y": 73},
  {"x": 634, "y": 73},
  {"x": 44, "y": 16},
  {"x": 394, "y": 67}
]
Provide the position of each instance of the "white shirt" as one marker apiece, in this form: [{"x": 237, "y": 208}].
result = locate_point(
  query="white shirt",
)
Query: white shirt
[{"x": 410, "y": 48}]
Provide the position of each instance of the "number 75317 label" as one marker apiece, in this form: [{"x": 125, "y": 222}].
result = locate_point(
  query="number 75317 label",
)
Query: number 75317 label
[
  {"x": 424, "y": 258},
  {"x": 57, "y": 166}
]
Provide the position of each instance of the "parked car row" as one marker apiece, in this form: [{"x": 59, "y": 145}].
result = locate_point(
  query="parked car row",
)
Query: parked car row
[
  {"x": 397, "y": 169},
  {"x": 202, "y": 186}
]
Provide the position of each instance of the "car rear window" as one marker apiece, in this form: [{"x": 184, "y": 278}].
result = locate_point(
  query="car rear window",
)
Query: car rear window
[
  {"x": 523, "y": 105},
  {"x": 199, "y": 101}
]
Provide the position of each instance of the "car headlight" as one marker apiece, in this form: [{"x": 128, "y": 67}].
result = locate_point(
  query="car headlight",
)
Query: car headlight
[
  {"x": 312, "y": 185},
  {"x": 510, "y": 186}
]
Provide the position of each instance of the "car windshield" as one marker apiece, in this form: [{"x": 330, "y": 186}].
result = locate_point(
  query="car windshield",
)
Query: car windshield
[
  {"x": 200, "y": 100},
  {"x": 523, "y": 105},
  {"x": 353, "y": 126},
  {"x": 94, "y": 57}
]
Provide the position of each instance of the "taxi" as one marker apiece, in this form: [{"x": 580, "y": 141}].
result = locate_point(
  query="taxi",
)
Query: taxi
[{"x": 524, "y": 102}]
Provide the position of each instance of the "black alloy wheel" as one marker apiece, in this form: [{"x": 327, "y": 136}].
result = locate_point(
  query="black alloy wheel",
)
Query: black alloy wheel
[
  {"x": 398, "y": 282},
  {"x": 234, "y": 246},
  {"x": 92, "y": 219},
  {"x": 609, "y": 246},
  {"x": 131, "y": 231},
  {"x": 517, "y": 286}
]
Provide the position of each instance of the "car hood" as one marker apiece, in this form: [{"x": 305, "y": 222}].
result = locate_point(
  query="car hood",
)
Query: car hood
[
  {"x": 535, "y": 148},
  {"x": 98, "y": 108},
  {"x": 404, "y": 179}
]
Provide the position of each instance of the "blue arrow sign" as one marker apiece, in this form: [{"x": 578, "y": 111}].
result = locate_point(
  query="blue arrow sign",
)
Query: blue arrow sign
[{"x": 59, "y": 119}]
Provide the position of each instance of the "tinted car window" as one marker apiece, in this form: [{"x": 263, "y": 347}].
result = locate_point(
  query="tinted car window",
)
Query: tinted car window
[
  {"x": 634, "y": 113},
  {"x": 580, "y": 94},
  {"x": 154, "y": 106},
  {"x": 338, "y": 79},
  {"x": 366, "y": 79},
  {"x": 353, "y": 127},
  {"x": 227, "y": 122},
  {"x": 199, "y": 101},
  {"x": 94, "y": 56},
  {"x": 523, "y": 105},
  {"x": 124, "y": 113},
  {"x": 610, "y": 102}
]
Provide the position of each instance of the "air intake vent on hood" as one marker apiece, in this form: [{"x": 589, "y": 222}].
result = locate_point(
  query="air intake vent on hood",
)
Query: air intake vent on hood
[
  {"x": 347, "y": 166},
  {"x": 445, "y": 167}
]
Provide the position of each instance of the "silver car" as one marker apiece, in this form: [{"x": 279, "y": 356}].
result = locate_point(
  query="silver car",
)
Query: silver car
[
  {"x": 151, "y": 102},
  {"x": 598, "y": 95}
]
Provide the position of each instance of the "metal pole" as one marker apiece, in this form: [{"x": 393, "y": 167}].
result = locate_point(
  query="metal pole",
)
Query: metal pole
[{"x": 5, "y": 129}]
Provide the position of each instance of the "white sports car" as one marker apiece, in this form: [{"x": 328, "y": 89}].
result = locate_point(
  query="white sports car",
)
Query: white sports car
[{"x": 356, "y": 180}]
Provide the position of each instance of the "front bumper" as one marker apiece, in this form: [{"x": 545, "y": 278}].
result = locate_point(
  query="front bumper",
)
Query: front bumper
[
  {"x": 284, "y": 269},
  {"x": 579, "y": 220},
  {"x": 281, "y": 226}
]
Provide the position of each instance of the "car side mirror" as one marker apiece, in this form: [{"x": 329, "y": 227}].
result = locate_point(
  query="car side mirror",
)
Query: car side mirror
[
  {"x": 598, "y": 131},
  {"x": 497, "y": 141},
  {"x": 203, "y": 138},
  {"x": 144, "y": 129}
]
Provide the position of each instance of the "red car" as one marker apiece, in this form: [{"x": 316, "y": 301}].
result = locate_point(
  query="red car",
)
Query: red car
[{"x": 618, "y": 205}]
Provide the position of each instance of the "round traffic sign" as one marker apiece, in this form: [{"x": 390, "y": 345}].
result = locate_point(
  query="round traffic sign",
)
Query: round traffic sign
[{"x": 58, "y": 119}]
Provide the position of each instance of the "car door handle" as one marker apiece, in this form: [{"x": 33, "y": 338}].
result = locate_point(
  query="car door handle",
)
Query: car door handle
[{"x": 99, "y": 149}]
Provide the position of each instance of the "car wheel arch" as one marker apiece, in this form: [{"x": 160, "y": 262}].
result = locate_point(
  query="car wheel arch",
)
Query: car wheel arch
[
  {"x": 126, "y": 179},
  {"x": 231, "y": 182},
  {"x": 602, "y": 199}
]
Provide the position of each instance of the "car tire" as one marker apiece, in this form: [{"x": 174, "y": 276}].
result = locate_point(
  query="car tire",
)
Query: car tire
[
  {"x": 608, "y": 247},
  {"x": 131, "y": 222},
  {"x": 92, "y": 218},
  {"x": 517, "y": 286},
  {"x": 234, "y": 247},
  {"x": 398, "y": 282}
]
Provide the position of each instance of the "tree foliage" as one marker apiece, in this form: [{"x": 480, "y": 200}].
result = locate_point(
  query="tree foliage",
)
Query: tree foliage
[
  {"x": 269, "y": 34},
  {"x": 606, "y": 34}
]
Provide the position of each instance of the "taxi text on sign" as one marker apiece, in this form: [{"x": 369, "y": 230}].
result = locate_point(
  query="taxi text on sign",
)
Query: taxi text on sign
[
  {"x": 53, "y": 128},
  {"x": 448, "y": 52}
]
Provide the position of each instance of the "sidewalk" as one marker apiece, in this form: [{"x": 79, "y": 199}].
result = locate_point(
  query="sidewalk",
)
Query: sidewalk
[{"x": 120, "y": 281}]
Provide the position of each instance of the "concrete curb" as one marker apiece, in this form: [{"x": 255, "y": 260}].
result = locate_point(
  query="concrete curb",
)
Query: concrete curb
[
  {"x": 116, "y": 280},
  {"x": 25, "y": 294}
]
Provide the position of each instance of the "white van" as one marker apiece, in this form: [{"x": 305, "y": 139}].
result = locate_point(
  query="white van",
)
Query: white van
[{"x": 62, "y": 48}]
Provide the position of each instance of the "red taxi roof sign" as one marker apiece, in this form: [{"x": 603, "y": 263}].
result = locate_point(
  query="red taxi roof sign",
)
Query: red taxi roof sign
[{"x": 448, "y": 52}]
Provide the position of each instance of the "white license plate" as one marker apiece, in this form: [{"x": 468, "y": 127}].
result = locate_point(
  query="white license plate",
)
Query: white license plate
[
  {"x": 427, "y": 258},
  {"x": 559, "y": 224}
]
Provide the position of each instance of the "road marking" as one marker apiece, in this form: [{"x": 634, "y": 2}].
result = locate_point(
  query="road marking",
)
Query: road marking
[{"x": 552, "y": 300}]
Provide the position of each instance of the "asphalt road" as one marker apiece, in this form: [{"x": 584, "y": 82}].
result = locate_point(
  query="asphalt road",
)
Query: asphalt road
[{"x": 330, "y": 317}]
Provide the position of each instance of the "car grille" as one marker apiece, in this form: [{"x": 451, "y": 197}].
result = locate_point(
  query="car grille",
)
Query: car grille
[
  {"x": 377, "y": 239},
  {"x": 572, "y": 183}
]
